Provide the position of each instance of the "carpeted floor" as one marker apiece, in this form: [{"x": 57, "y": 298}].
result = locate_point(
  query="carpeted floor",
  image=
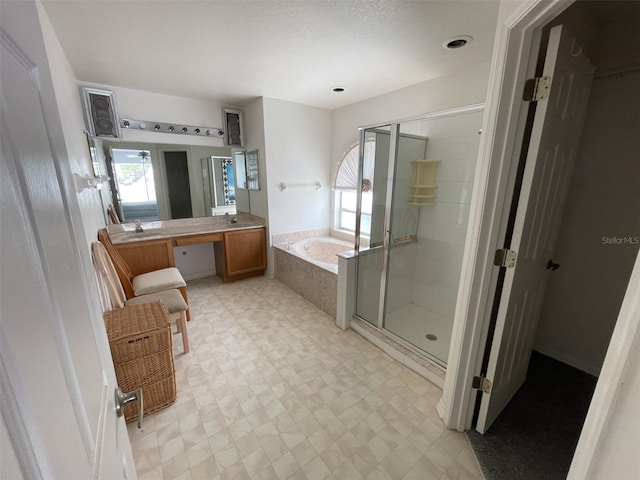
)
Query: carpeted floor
[{"x": 536, "y": 435}]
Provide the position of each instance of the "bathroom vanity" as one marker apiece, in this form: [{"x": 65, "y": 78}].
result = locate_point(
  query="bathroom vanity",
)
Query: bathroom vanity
[{"x": 239, "y": 243}]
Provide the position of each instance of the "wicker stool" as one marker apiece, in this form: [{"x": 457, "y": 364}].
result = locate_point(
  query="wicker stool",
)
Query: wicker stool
[{"x": 142, "y": 349}]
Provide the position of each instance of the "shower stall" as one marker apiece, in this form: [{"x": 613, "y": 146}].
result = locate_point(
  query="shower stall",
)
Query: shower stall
[{"x": 412, "y": 215}]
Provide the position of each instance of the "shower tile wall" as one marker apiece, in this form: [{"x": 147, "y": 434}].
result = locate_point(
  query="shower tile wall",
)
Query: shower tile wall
[
  {"x": 436, "y": 259},
  {"x": 442, "y": 226},
  {"x": 401, "y": 275},
  {"x": 404, "y": 223}
]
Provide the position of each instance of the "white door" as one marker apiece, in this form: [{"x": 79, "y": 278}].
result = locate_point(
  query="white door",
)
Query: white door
[
  {"x": 56, "y": 377},
  {"x": 554, "y": 139}
]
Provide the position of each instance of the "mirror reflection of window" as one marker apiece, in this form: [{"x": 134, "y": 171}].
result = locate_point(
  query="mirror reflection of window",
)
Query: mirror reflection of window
[
  {"x": 133, "y": 171},
  {"x": 252, "y": 170},
  {"x": 241, "y": 172}
]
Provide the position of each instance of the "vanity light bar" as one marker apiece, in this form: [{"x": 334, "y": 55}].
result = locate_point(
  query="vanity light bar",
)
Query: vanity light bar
[{"x": 160, "y": 127}]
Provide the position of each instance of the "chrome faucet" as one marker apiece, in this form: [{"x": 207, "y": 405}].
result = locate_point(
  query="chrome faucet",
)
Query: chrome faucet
[{"x": 138, "y": 227}]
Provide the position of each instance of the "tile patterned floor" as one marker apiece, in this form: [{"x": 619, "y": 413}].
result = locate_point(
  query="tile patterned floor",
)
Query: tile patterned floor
[{"x": 272, "y": 389}]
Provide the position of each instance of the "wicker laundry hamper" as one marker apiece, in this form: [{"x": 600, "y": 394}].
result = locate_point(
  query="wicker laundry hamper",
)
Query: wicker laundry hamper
[{"x": 142, "y": 349}]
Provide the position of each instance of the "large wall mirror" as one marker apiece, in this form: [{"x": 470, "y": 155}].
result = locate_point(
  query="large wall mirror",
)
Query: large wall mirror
[{"x": 165, "y": 181}]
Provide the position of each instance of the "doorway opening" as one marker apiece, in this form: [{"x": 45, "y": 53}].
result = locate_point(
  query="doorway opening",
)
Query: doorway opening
[
  {"x": 178, "y": 185},
  {"x": 596, "y": 247}
]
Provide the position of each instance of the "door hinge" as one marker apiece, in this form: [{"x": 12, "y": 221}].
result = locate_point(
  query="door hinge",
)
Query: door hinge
[
  {"x": 482, "y": 383},
  {"x": 536, "y": 89},
  {"x": 505, "y": 258}
]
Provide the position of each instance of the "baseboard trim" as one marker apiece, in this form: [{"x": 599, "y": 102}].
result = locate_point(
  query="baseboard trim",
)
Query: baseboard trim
[
  {"x": 196, "y": 275},
  {"x": 569, "y": 360}
]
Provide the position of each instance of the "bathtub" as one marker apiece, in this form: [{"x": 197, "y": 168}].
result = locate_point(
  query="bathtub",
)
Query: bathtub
[
  {"x": 321, "y": 251},
  {"x": 310, "y": 268}
]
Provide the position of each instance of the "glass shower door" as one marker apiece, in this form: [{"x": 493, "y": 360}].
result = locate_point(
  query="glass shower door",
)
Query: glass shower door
[
  {"x": 371, "y": 218},
  {"x": 405, "y": 314},
  {"x": 435, "y": 166}
]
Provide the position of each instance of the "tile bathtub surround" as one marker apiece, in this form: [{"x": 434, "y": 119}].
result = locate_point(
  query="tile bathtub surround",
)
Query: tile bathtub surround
[
  {"x": 292, "y": 237},
  {"x": 314, "y": 283},
  {"x": 272, "y": 389}
]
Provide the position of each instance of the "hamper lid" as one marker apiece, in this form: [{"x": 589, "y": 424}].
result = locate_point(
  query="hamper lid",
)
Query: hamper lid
[{"x": 134, "y": 319}]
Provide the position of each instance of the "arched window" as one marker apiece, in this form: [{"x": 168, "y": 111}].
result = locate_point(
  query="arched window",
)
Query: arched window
[{"x": 346, "y": 188}]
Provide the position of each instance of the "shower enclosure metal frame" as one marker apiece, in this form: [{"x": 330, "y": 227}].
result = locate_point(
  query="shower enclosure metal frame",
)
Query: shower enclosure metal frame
[{"x": 394, "y": 134}]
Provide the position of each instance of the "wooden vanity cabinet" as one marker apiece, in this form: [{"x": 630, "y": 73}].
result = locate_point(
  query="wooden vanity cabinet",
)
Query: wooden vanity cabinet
[
  {"x": 242, "y": 254},
  {"x": 238, "y": 253},
  {"x": 147, "y": 256}
]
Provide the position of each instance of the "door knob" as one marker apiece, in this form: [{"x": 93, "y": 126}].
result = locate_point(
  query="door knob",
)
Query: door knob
[
  {"x": 123, "y": 398},
  {"x": 552, "y": 266}
]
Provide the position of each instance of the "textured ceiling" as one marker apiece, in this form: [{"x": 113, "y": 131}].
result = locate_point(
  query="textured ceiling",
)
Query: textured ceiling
[{"x": 234, "y": 51}]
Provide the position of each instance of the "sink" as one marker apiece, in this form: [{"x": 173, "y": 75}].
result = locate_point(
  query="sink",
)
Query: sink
[
  {"x": 133, "y": 235},
  {"x": 241, "y": 225}
]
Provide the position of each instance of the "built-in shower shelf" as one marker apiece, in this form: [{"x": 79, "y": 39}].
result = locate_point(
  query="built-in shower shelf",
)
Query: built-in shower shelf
[{"x": 423, "y": 188}]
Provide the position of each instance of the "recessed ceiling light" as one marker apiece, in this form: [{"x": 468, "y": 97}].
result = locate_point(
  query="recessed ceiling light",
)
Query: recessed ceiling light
[
  {"x": 457, "y": 42},
  {"x": 337, "y": 89}
]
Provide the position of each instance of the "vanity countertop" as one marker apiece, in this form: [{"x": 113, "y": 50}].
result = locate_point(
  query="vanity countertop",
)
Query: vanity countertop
[{"x": 165, "y": 229}]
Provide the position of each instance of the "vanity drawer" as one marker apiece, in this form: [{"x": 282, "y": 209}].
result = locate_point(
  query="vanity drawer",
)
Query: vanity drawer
[{"x": 201, "y": 238}]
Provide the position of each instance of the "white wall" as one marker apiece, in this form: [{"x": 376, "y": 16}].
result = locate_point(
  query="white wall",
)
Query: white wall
[
  {"x": 195, "y": 261},
  {"x": 298, "y": 141},
  {"x": 9, "y": 465},
  {"x": 255, "y": 139},
  {"x": 584, "y": 296},
  {"x": 72, "y": 123},
  {"x": 293, "y": 144},
  {"x": 616, "y": 447}
]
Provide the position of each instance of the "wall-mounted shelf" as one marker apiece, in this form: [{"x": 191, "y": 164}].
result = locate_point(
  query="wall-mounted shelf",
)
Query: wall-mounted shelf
[{"x": 423, "y": 188}]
